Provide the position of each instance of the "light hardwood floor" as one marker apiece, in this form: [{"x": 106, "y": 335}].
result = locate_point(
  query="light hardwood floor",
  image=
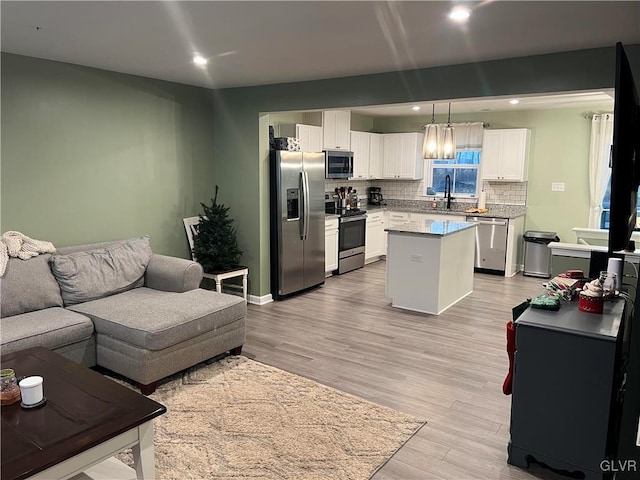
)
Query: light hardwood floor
[{"x": 446, "y": 369}]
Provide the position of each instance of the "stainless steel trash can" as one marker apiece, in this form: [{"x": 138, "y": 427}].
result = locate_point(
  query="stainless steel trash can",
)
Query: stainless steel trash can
[{"x": 537, "y": 254}]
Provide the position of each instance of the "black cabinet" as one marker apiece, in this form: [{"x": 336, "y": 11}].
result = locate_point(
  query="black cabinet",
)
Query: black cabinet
[{"x": 567, "y": 387}]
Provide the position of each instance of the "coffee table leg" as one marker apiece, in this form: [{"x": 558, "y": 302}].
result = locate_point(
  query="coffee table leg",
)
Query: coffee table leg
[{"x": 143, "y": 457}]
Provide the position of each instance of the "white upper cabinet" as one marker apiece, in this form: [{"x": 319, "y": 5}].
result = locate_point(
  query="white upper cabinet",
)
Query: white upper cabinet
[
  {"x": 376, "y": 149},
  {"x": 361, "y": 154},
  {"x": 310, "y": 138},
  {"x": 505, "y": 154},
  {"x": 402, "y": 156},
  {"x": 367, "y": 151},
  {"x": 336, "y": 129}
]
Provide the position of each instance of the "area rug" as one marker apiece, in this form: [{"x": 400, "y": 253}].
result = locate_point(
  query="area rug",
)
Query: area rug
[{"x": 240, "y": 419}]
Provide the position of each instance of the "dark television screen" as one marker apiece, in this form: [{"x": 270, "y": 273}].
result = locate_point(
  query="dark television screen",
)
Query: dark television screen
[{"x": 624, "y": 155}]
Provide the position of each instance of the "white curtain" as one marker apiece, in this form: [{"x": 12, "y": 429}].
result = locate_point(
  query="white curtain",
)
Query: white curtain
[
  {"x": 599, "y": 153},
  {"x": 469, "y": 135}
]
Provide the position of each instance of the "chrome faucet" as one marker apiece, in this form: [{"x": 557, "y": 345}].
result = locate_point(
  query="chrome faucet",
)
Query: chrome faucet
[{"x": 447, "y": 190}]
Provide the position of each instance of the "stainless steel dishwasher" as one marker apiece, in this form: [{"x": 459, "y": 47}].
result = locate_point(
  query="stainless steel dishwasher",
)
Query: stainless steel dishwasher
[{"x": 491, "y": 244}]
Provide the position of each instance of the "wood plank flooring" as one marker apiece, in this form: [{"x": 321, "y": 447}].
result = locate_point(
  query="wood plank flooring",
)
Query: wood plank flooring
[{"x": 446, "y": 369}]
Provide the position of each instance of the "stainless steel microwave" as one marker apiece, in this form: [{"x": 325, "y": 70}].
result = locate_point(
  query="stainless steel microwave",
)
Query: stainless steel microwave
[{"x": 338, "y": 164}]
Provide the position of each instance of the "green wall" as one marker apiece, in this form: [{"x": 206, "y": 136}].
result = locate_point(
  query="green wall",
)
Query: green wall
[
  {"x": 558, "y": 153},
  {"x": 90, "y": 155}
]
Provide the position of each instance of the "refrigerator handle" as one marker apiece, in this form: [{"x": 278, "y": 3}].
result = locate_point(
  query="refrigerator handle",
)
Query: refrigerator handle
[{"x": 305, "y": 205}]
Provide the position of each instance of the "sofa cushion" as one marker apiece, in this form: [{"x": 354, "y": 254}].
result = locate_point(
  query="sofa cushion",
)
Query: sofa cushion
[
  {"x": 51, "y": 328},
  {"x": 155, "y": 320},
  {"x": 88, "y": 275},
  {"x": 28, "y": 285}
]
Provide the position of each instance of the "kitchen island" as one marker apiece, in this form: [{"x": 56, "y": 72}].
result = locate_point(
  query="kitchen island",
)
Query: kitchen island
[{"x": 430, "y": 264}]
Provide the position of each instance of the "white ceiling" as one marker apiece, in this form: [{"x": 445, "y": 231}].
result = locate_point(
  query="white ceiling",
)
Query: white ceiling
[{"x": 254, "y": 43}]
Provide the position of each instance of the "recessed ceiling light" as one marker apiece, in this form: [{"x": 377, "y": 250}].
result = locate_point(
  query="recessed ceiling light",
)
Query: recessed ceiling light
[
  {"x": 459, "y": 14},
  {"x": 200, "y": 60},
  {"x": 515, "y": 101},
  {"x": 415, "y": 108}
]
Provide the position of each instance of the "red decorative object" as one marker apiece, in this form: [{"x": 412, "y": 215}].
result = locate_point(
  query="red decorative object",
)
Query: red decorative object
[
  {"x": 507, "y": 386},
  {"x": 590, "y": 304}
]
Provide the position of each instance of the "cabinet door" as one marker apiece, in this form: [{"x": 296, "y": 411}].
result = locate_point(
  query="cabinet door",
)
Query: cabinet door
[
  {"x": 331, "y": 245},
  {"x": 361, "y": 151},
  {"x": 410, "y": 161},
  {"x": 514, "y": 154},
  {"x": 401, "y": 156},
  {"x": 505, "y": 154},
  {"x": 336, "y": 128},
  {"x": 392, "y": 149},
  {"x": 491, "y": 149},
  {"x": 310, "y": 138},
  {"x": 376, "y": 148},
  {"x": 374, "y": 245},
  {"x": 515, "y": 246},
  {"x": 343, "y": 129}
]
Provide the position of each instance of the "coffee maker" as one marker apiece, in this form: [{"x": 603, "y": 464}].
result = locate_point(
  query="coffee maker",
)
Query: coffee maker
[{"x": 374, "y": 196}]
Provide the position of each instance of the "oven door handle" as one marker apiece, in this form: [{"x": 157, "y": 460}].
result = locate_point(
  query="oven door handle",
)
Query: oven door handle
[{"x": 353, "y": 219}]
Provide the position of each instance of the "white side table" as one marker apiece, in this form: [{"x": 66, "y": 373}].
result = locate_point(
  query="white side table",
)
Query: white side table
[{"x": 220, "y": 276}]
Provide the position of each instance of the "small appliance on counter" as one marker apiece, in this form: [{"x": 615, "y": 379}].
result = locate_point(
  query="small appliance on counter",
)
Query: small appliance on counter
[{"x": 374, "y": 196}]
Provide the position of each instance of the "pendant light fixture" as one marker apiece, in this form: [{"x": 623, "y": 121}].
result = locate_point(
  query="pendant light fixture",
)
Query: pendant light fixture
[
  {"x": 448, "y": 140},
  {"x": 431, "y": 144}
]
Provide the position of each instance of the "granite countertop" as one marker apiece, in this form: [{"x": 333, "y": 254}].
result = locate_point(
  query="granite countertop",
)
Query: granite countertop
[
  {"x": 419, "y": 206},
  {"x": 431, "y": 227}
]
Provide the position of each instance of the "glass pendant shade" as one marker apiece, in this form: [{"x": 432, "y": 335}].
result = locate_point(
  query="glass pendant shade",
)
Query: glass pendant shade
[
  {"x": 431, "y": 145},
  {"x": 449, "y": 140},
  {"x": 448, "y": 143}
]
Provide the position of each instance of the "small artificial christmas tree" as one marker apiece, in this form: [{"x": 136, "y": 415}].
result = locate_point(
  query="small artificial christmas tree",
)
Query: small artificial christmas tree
[{"x": 215, "y": 246}]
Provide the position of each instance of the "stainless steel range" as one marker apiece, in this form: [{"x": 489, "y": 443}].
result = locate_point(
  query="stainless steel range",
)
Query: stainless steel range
[{"x": 351, "y": 240}]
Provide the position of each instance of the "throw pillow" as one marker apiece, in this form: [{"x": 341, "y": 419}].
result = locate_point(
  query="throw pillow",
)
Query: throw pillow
[
  {"x": 93, "y": 274},
  {"x": 28, "y": 285}
]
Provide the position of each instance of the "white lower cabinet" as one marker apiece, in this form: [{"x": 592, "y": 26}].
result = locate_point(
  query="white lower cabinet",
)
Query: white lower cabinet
[
  {"x": 374, "y": 246},
  {"x": 515, "y": 247},
  {"x": 330, "y": 245}
]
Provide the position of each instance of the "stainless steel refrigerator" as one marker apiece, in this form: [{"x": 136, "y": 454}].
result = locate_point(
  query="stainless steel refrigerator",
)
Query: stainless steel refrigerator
[{"x": 297, "y": 221}]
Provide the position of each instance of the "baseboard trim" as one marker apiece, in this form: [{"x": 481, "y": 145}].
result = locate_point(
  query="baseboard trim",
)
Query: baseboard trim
[{"x": 256, "y": 300}]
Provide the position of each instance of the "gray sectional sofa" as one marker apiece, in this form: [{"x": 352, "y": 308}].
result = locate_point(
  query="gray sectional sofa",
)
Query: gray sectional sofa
[{"x": 119, "y": 306}]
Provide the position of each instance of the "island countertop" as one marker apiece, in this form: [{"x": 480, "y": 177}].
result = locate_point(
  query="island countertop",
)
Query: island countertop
[{"x": 437, "y": 228}]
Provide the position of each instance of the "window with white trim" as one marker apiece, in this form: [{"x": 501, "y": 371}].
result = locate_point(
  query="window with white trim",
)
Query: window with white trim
[{"x": 464, "y": 169}]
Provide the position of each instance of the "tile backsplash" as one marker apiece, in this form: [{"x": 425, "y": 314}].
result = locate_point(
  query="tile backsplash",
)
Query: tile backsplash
[
  {"x": 506, "y": 193},
  {"x": 502, "y": 193}
]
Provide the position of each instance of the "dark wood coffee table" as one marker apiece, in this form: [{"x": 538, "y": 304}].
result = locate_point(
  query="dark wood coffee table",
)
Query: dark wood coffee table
[{"x": 86, "y": 420}]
